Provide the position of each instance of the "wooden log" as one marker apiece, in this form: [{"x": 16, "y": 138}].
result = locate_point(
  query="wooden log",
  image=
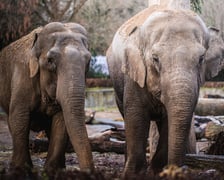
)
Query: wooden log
[
  {"x": 210, "y": 106},
  {"x": 205, "y": 161},
  {"x": 109, "y": 141}
]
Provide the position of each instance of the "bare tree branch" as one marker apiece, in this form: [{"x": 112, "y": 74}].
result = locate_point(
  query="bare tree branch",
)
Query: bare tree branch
[{"x": 78, "y": 7}]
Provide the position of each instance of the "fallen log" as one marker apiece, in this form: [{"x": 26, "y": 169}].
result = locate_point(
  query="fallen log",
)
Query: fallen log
[
  {"x": 111, "y": 140},
  {"x": 108, "y": 141},
  {"x": 210, "y": 106},
  {"x": 205, "y": 162}
]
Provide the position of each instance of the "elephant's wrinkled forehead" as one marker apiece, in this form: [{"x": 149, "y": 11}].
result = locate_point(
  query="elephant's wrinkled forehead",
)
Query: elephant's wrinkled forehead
[
  {"x": 169, "y": 25},
  {"x": 171, "y": 15},
  {"x": 65, "y": 38}
]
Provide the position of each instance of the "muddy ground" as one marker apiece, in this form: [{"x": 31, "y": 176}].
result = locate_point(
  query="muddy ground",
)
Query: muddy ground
[{"x": 108, "y": 165}]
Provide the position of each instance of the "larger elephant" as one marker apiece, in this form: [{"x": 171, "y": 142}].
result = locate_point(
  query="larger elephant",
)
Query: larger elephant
[
  {"x": 42, "y": 78},
  {"x": 157, "y": 61}
]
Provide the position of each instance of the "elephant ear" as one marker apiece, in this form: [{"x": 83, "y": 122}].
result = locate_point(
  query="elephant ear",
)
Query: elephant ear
[
  {"x": 133, "y": 65},
  {"x": 33, "y": 62},
  {"x": 214, "y": 57}
]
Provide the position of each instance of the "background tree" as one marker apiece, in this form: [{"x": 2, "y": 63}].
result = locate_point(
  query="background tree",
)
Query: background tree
[
  {"x": 56, "y": 10},
  {"x": 213, "y": 14},
  {"x": 18, "y": 17},
  {"x": 103, "y": 19},
  {"x": 15, "y": 19}
]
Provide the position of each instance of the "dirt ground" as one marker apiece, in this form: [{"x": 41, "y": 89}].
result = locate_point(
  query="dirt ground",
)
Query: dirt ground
[{"x": 108, "y": 165}]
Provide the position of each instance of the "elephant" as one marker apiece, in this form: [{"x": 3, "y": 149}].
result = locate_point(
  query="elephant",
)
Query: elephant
[
  {"x": 157, "y": 61},
  {"x": 42, "y": 78}
]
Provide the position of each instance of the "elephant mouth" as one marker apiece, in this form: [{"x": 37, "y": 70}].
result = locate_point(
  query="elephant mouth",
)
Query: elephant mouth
[
  {"x": 157, "y": 94},
  {"x": 50, "y": 105}
]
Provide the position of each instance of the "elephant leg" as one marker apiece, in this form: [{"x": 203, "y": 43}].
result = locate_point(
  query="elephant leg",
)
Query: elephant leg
[
  {"x": 57, "y": 145},
  {"x": 160, "y": 158},
  {"x": 136, "y": 129},
  {"x": 19, "y": 123}
]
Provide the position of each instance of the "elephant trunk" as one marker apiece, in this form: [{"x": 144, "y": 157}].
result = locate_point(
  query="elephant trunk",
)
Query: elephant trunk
[
  {"x": 71, "y": 96},
  {"x": 181, "y": 101}
]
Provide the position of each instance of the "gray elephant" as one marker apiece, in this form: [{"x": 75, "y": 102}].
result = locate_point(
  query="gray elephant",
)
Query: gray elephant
[
  {"x": 157, "y": 61},
  {"x": 42, "y": 78}
]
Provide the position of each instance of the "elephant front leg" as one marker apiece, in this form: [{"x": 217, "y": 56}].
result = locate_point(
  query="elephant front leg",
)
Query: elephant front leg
[
  {"x": 160, "y": 158},
  {"x": 136, "y": 129},
  {"x": 19, "y": 127},
  {"x": 57, "y": 145}
]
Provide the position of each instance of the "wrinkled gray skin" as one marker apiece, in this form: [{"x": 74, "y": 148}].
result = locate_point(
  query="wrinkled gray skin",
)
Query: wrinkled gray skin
[
  {"x": 157, "y": 62},
  {"x": 42, "y": 78}
]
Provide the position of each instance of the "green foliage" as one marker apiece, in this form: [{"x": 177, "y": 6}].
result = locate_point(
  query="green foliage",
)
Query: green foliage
[{"x": 196, "y": 5}]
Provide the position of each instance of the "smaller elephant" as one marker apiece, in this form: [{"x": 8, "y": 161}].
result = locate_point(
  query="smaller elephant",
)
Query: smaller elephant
[{"x": 42, "y": 78}]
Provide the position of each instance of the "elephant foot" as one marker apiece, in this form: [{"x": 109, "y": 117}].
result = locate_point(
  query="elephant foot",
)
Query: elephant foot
[
  {"x": 21, "y": 161},
  {"x": 157, "y": 165},
  {"x": 134, "y": 176},
  {"x": 51, "y": 166},
  {"x": 27, "y": 166},
  {"x": 135, "y": 171}
]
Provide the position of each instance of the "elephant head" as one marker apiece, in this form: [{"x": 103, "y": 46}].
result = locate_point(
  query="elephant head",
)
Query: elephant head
[
  {"x": 60, "y": 58},
  {"x": 171, "y": 54}
]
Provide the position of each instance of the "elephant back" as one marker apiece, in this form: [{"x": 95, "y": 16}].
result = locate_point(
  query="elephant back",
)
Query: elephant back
[{"x": 13, "y": 52}]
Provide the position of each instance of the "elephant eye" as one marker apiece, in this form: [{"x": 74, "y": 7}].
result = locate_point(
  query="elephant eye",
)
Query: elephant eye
[
  {"x": 201, "y": 59},
  {"x": 155, "y": 58},
  {"x": 50, "y": 60},
  {"x": 51, "y": 64},
  {"x": 156, "y": 62}
]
